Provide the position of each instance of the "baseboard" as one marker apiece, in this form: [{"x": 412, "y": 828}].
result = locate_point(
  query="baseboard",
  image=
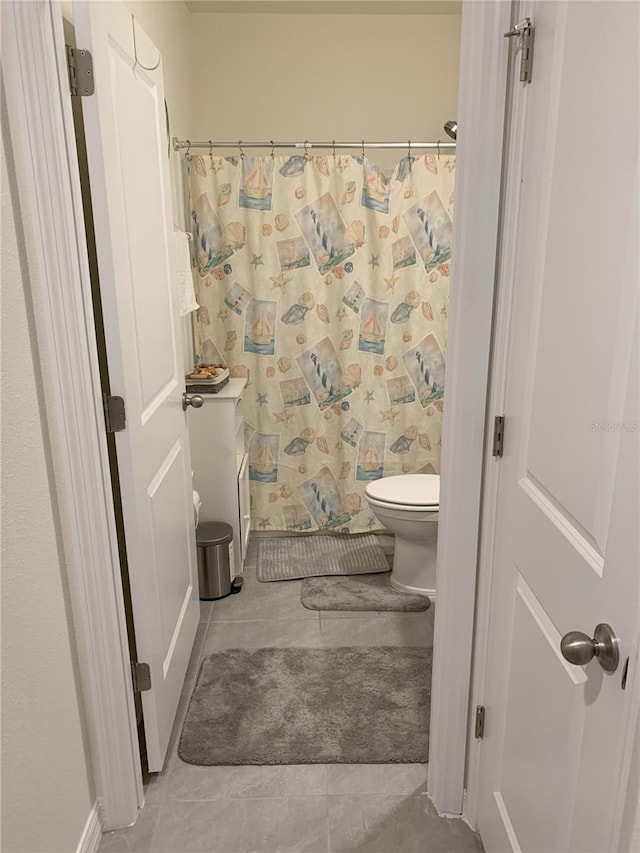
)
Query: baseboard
[{"x": 92, "y": 832}]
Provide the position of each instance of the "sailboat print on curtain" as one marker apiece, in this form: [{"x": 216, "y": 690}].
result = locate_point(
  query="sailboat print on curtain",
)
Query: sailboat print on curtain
[
  {"x": 325, "y": 283},
  {"x": 259, "y": 325},
  {"x": 375, "y": 190},
  {"x": 371, "y": 456},
  {"x": 256, "y": 189},
  {"x": 263, "y": 457},
  {"x": 373, "y": 325}
]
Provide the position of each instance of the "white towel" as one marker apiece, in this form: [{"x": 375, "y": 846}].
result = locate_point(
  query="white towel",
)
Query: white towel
[
  {"x": 184, "y": 280},
  {"x": 197, "y": 506}
]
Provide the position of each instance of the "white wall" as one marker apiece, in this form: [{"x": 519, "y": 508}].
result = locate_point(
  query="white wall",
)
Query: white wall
[
  {"x": 46, "y": 781},
  {"x": 309, "y": 76}
]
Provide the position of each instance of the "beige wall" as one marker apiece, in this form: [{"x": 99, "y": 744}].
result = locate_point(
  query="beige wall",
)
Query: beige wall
[
  {"x": 307, "y": 76},
  {"x": 46, "y": 788}
]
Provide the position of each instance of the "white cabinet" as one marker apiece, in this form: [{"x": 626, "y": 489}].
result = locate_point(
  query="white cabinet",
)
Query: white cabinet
[{"x": 221, "y": 471}]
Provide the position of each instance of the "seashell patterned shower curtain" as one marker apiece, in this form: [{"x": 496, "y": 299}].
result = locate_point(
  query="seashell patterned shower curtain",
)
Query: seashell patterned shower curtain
[{"x": 325, "y": 282}]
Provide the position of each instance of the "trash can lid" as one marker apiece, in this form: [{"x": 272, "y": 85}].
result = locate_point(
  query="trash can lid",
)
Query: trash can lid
[{"x": 213, "y": 533}]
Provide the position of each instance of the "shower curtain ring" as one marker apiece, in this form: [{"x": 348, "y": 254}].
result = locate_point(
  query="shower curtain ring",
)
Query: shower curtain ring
[
  {"x": 438, "y": 149},
  {"x": 306, "y": 149},
  {"x": 241, "y": 151},
  {"x": 211, "y": 149},
  {"x": 188, "y": 148},
  {"x": 334, "y": 151},
  {"x": 273, "y": 147},
  {"x": 363, "y": 154}
]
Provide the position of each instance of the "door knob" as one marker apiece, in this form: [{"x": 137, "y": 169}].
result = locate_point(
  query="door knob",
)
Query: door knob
[
  {"x": 578, "y": 648},
  {"x": 194, "y": 400}
]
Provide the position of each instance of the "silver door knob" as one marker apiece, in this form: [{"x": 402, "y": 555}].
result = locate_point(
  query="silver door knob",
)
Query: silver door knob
[
  {"x": 194, "y": 400},
  {"x": 578, "y": 648}
]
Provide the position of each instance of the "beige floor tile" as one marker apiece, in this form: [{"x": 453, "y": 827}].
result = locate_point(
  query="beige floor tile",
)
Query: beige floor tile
[
  {"x": 277, "y": 600},
  {"x": 244, "y": 826},
  {"x": 192, "y": 782},
  {"x": 133, "y": 839},
  {"x": 385, "y": 629},
  {"x": 380, "y": 823},
  {"x": 263, "y": 633},
  {"x": 377, "y": 808},
  {"x": 251, "y": 558},
  {"x": 205, "y": 610},
  {"x": 376, "y": 778}
]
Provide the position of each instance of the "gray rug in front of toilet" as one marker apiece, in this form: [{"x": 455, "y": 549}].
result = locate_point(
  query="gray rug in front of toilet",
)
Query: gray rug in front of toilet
[
  {"x": 290, "y": 557},
  {"x": 358, "y": 592},
  {"x": 343, "y": 705}
]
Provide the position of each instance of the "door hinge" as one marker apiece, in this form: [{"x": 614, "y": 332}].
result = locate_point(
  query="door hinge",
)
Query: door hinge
[
  {"x": 114, "y": 414},
  {"x": 524, "y": 30},
  {"x": 80, "y": 67},
  {"x": 140, "y": 676},
  {"x": 479, "y": 731},
  {"x": 498, "y": 435}
]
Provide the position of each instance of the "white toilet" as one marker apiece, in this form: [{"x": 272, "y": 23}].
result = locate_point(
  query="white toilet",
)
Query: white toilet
[{"x": 408, "y": 505}]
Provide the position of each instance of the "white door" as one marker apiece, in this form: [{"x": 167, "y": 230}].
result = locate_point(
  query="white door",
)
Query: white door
[
  {"x": 128, "y": 166},
  {"x": 553, "y": 758}
]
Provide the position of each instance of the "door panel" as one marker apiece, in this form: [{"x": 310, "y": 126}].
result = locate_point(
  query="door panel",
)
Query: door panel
[
  {"x": 538, "y": 734},
  {"x": 565, "y": 558},
  {"x": 145, "y": 220},
  {"x": 126, "y": 143}
]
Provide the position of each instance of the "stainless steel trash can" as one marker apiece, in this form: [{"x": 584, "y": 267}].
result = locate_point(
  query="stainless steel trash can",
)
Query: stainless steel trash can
[{"x": 214, "y": 540}]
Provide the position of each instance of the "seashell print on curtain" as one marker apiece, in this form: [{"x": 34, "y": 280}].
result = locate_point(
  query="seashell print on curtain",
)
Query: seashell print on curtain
[{"x": 325, "y": 282}]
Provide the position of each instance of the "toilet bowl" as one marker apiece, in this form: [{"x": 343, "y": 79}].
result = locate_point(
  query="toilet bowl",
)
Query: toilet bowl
[{"x": 408, "y": 505}]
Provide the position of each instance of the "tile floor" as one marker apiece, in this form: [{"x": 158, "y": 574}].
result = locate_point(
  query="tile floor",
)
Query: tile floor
[{"x": 304, "y": 808}]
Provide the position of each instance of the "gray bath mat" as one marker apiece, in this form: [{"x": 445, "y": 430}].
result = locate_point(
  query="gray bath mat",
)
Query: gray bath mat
[
  {"x": 310, "y": 706},
  {"x": 358, "y": 592},
  {"x": 289, "y": 557}
]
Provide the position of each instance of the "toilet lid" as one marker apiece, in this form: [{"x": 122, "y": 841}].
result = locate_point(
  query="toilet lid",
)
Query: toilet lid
[{"x": 406, "y": 490}]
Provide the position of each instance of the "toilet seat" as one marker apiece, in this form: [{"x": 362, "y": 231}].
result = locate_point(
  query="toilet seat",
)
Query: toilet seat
[{"x": 409, "y": 492}]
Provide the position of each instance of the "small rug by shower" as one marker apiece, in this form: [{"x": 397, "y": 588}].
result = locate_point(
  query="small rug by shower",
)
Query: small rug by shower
[
  {"x": 358, "y": 592},
  {"x": 289, "y": 557},
  {"x": 310, "y": 706}
]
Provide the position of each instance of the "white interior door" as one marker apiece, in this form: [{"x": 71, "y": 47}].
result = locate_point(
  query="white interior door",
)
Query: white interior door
[
  {"x": 128, "y": 166},
  {"x": 552, "y": 765}
]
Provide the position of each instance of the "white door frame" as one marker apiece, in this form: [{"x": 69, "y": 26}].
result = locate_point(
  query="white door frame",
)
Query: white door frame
[
  {"x": 629, "y": 789},
  {"x": 484, "y": 54},
  {"x": 35, "y": 79}
]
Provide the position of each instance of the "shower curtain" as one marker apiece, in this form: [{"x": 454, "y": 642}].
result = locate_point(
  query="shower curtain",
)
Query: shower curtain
[{"x": 324, "y": 281}]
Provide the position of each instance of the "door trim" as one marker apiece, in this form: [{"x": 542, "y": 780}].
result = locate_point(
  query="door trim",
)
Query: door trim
[
  {"x": 35, "y": 77},
  {"x": 629, "y": 788},
  {"x": 515, "y": 123},
  {"x": 481, "y": 116}
]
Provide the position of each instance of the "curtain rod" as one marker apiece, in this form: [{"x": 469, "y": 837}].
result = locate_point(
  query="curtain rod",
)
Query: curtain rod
[{"x": 209, "y": 144}]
